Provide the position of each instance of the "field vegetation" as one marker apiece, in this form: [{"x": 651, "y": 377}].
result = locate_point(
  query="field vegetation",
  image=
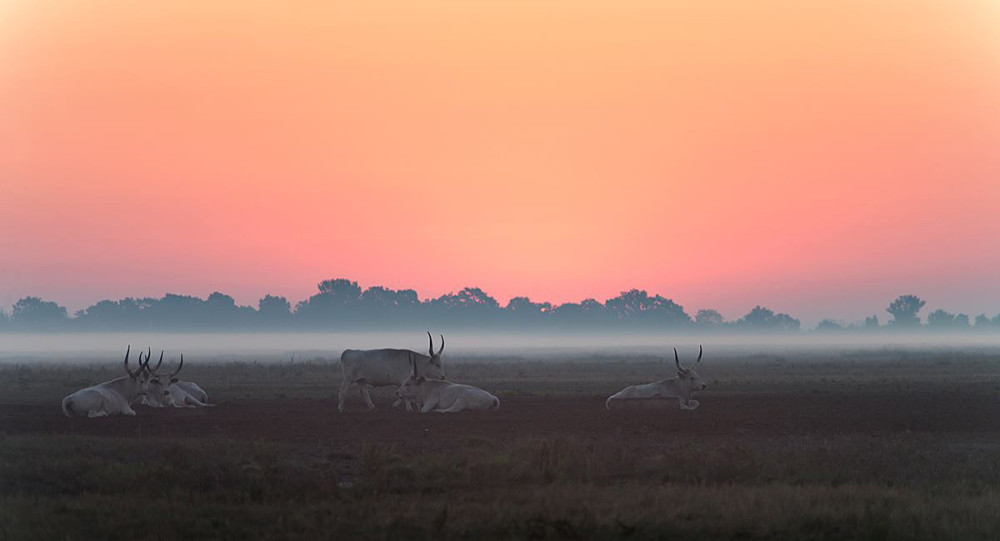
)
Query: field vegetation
[{"x": 862, "y": 445}]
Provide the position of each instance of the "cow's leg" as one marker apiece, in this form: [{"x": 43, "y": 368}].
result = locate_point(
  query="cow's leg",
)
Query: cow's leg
[
  {"x": 366, "y": 396},
  {"x": 688, "y": 404},
  {"x": 455, "y": 408},
  {"x": 428, "y": 406},
  {"x": 97, "y": 413},
  {"x": 195, "y": 403},
  {"x": 342, "y": 395}
]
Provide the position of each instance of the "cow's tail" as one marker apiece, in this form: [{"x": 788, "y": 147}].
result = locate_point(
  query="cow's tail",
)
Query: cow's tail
[
  {"x": 67, "y": 406},
  {"x": 607, "y": 403},
  {"x": 496, "y": 403}
]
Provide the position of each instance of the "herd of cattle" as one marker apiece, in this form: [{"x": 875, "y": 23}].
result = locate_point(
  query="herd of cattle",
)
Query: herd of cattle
[{"x": 419, "y": 379}]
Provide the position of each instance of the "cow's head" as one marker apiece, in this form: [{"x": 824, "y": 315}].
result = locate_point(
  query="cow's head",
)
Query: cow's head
[
  {"x": 689, "y": 376},
  {"x": 159, "y": 384},
  {"x": 435, "y": 369},
  {"x": 408, "y": 390}
]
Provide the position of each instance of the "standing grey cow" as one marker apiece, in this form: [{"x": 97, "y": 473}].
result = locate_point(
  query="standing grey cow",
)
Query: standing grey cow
[
  {"x": 111, "y": 397},
  {"x": 384, "y": 367},
  {"x": 444, "y": 396},
  {"x": 682, "y": 388}
]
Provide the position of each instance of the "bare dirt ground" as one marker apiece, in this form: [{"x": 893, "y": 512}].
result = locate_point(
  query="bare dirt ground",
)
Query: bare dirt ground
[
  {"x": 881, "y": 446},
  {"x": 742, "y": 416}
]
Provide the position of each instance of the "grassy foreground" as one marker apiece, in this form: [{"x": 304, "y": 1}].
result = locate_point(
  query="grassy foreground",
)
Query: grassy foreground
[
  {"x": 71, "y": 487},
  {"x": 720, "y": 484}
]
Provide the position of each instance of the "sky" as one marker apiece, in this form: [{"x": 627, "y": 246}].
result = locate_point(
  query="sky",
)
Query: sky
[{"x": 819, "y": 158}]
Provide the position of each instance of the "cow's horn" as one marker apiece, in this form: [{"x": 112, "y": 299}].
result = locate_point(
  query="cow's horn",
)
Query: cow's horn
[
  {"x": 158, "y": 363},
  {"x": 699, "y": 355},
  {"x": 431, "y": 340},
  {"x": 677, "y": 360},
  {"x": 440, "y": 351},
  {"x": 179, "y": 366},
  {"x": 127, "y": 350}
]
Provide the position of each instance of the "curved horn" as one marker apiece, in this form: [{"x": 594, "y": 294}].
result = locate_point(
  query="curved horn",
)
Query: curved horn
[
  {"x": 699, "y": 355},
  {"x": 127, "y": 350},
  {"x": 677, "y": 360},
  {"x": 179, "y": 366},
  {"x": 440, "y": 351},
  {"x": 143, "y": 364},
  {"x": 431, "y": 339},
  {"x": 158, "y": 363}
]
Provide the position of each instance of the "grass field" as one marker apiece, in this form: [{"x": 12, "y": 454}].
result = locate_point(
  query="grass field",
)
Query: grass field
[{"x": 875, "y": 444}]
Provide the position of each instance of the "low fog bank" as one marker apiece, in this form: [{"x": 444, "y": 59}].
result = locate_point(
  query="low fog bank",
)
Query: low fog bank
[{"x": 472, "y": 346}]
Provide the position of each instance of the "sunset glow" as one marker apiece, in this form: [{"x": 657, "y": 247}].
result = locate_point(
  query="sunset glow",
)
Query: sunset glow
[{"x": 819, "y": 158}]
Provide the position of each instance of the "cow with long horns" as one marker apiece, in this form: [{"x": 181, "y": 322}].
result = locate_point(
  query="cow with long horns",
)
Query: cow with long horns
[
  {"x": 681, "y": 387},
  {"x": 385, "y": 367},
  {"x": 442, "y": 396},
  {"x": 111, "y": 397},
  {"x": 169, "y": 391}
]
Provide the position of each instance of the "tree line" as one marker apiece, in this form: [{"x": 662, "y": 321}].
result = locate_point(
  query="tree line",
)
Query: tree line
[{"x": 341, "y": 304}]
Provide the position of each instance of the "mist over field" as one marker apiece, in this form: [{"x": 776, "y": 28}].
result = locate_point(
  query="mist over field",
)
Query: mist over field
[{"x": 478, "y": 346}]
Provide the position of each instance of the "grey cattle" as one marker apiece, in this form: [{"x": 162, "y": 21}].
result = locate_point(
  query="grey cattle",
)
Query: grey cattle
[
  {"x": 111, "y": 397},
  {"x": 444, "y": 396},
  {"x": 167, "y": 391},
  {"x": 384, "y": 367},
  {"x": 682, "y": 388}
]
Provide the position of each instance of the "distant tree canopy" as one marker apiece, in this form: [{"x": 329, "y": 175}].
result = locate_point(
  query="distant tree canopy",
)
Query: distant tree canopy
[
  {"x": 761, "y": 318},
  {"x": 33, "y": 312},
  {"x": 709, "y": 318},
  {"x": 904, "y": 311},
  {"x": 343, "y": 304}
]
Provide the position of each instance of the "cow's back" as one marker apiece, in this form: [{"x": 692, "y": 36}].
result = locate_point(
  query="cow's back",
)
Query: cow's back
[{"x": 377, "y": 366}]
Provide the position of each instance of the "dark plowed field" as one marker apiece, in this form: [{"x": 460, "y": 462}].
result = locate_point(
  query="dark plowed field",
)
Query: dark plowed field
[{"x": 737, "y": 416}]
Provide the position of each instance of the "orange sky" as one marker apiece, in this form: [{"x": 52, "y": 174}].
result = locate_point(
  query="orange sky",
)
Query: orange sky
[{"x": 819, "y": 158}]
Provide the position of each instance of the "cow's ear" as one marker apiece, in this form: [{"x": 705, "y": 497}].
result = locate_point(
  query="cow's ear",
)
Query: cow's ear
[
  {"x": 681, "y": 374},
  {"x": 174, "y": 380}
]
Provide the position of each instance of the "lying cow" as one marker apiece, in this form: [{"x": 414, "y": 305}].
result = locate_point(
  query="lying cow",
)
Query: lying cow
[
  {"x": 167, "y": 391},
  {"x": 444, "y": 396},
  {"x": 384, "y": 367},
  {"x": 682, "y": 388},
  {"x": 111, "y": 397}
]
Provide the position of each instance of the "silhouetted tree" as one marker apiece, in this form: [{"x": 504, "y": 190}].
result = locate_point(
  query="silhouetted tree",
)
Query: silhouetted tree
[
  {"x": 331, "y": 304},
  {"x": 871, "y": 322},
  {"x": 520, "y": 310},
  {"x": 904, "y": 311},
  {"x": 761, "y": 318},
  {"x": 274, "y": 309},
  {"x": 962, "y": 321},
  {"x": 940, "y": 319},
  {"x": 709, "y": 318},
  {"x": 637, "y": 305},
  {"x": 828, "y": 325},
  {"x": 35, "y": 313},
  {"x": 983, "y": 322},
  {"x": 385, "y": 298}
]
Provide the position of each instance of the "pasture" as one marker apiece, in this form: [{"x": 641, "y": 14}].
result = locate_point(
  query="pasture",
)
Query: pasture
[{"x": 866, "y": 444}]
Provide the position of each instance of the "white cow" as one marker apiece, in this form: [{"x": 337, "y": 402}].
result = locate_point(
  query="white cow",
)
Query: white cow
[
  {"x": 167, "y": 391},
  {"x": 444, "y": 396},
  {"x": 682, "y": 388},
  {"x": 384, "y": 367},
  {"x": 111, "y": 397}
]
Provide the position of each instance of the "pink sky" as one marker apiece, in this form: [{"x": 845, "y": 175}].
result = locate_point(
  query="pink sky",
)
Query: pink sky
[{"x": 819, "y": 158}]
